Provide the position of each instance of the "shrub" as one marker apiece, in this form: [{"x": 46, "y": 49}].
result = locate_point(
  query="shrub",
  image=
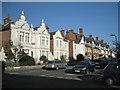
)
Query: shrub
[
  {"x": 26, "y": 61},
  {"x": 43, "y": 58},
  {"x": 9, "y": 64}
]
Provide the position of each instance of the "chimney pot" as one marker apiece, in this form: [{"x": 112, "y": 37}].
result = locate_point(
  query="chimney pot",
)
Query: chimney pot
[
  {"x": 102, "y": 41},
  {"x": 90, "y": 35},
  {"x": 7, "y": 19},
  {"x": 62, "y": 32},
  {"x": 96, "y": 38},
  {"x": 47, "y": 28},
  {"x": 81, "y": 30}
]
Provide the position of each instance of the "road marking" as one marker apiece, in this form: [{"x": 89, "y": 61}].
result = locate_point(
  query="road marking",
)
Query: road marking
[
  {"x": 43, "y": 75},
  {"x": 70, "y": 74},
  {"x": 61, "y": 77},
  {"x": 14, "y": 73},
  {"x": 77, "y": 79}
]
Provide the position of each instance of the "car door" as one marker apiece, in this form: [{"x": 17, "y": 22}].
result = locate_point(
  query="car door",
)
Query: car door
[
  {"x": 62, "y": 64},
  {"x": 117, "y": 71}
]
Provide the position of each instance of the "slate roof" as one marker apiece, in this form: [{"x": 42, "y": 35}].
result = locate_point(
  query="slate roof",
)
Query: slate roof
[
  {"x": 97, "y": 42},
  {"x": 6, "y": 27}
]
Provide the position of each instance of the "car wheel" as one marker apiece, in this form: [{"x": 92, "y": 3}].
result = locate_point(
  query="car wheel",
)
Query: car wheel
[
  {"x": 86, "y": 71},
  {"x": 57, "y": 67},
  {"x": 108, "y": 81}
]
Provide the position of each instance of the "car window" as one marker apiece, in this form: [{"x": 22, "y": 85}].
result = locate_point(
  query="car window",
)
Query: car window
[
  {"x": 56, "y": 61},
  {"x": 50, "y": 61},
  {"x": 60, "y": 61}
]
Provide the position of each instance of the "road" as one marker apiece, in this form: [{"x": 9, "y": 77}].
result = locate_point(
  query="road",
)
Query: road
[{"x": 42, "y": 78}]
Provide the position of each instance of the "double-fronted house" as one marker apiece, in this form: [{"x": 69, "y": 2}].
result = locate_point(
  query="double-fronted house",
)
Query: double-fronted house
[
  {"x": 41, "y": 41},
  {"x": 35, "y": 41}
]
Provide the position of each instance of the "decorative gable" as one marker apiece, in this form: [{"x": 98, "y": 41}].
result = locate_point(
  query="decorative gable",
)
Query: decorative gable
[
  {"x": 22, "y": 23},
  {"x": 58, "y": 34},
  {"x": 25, "y": 26}
]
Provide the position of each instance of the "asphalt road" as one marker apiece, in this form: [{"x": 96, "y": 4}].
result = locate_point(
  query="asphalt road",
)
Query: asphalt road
[{"x": 42, "y": 78}]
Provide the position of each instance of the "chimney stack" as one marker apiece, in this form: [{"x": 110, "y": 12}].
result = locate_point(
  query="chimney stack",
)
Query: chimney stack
[
  {"x": 81, "y": 30},
  {"x": 90, "y": 35},
  {"x": 47, "y": 28},
  {"x": 96, "y": 38},
  {"x": 62, "y": 32},
  {"x": 102, "y": 41},
  {"x": 7, "y": 19},
  {"x": 72, "y": 30}
]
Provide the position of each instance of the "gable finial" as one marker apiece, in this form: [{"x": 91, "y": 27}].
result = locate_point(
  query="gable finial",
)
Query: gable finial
[
  {"x": 42, "y": 20},
  {"x": 22, "y": 12}
]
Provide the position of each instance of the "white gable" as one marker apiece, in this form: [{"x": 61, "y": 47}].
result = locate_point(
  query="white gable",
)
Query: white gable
[
  {"x": 21, "y": 22},
  {"x": 25, "y": 26},
  {"x": 58, "y": 34}
]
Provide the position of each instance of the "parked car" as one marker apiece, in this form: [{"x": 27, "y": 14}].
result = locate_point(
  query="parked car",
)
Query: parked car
[
  {"x": 56, "y": 64},
  {"x": 100, "y": 63},
  {"x": 83, "y": 67},
  {"x": 111, "y": 73}
]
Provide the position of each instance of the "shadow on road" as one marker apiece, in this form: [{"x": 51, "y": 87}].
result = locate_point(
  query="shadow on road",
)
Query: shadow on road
[
  {"x": 26, "y": 81},
  {"x": 68, "y": 71}
]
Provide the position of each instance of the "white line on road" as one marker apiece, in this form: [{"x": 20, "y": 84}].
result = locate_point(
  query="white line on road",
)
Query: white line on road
[
  {"x": 70, "y": 74},
  {"x": 61, "y": 77}
]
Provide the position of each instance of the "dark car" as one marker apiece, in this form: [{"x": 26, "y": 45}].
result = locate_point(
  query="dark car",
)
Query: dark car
[
  {"x": 83, "y": 67},
  {"x": 100, "y": 63},
  {"x": 111, "y": 73}
]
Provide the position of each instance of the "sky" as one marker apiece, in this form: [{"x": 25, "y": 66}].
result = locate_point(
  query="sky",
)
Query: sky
[{"x": 99, "y": 19}]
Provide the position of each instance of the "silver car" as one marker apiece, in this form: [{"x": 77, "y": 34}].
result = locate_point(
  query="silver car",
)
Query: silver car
[{"x": 56, "y": 64}]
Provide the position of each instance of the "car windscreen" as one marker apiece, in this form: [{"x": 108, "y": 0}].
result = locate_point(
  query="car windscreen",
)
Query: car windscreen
[{"x": 81, "y": 63}]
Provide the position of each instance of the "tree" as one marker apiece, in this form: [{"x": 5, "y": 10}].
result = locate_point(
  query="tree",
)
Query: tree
[
  {"x": 44, "y": 58},
  {"x": 8, "y": 52},
  {"x": 80, "y": 57},
  {"x": 13, "y": 52}
]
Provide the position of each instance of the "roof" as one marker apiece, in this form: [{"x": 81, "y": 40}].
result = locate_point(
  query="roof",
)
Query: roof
[
  {"x": 65, "y": 40},
  {"x": 6, "y": 27},
  {"x": 89, "y": 39},
  {"x": 35, "y": 28}
]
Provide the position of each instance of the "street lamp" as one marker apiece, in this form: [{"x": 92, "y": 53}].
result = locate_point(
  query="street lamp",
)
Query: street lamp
[{"x": 115, "y": 39}]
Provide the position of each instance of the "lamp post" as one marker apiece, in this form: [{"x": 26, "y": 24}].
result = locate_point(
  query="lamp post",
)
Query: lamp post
[{"x": 115, "y": 40}]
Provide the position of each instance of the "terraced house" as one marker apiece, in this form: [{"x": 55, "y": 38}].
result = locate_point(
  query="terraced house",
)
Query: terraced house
[
  {"x": 95, "y": 48},
  {"x": 38, "y": 41}
]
